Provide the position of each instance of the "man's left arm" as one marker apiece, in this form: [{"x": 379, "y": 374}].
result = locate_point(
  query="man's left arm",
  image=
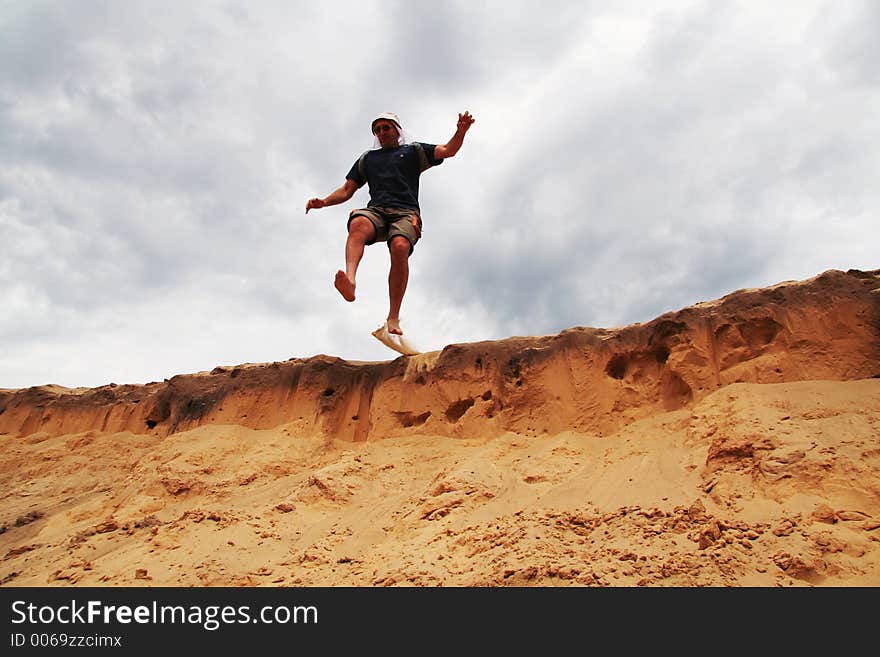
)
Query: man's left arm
[{"x": 450, "y": 148}]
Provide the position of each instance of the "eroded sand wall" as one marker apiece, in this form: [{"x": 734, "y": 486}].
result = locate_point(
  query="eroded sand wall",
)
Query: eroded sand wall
[{"x": 583, "y": 379}]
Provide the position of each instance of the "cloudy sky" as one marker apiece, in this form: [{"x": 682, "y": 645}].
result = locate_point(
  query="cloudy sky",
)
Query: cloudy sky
[{"x": 628, "y": 158}]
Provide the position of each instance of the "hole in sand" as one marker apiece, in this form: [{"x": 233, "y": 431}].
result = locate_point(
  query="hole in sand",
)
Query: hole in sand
[
  {"x": 408, "y": 419},
  {"x": 616, "y": 367},
  {"x": 459, "y": 408}
]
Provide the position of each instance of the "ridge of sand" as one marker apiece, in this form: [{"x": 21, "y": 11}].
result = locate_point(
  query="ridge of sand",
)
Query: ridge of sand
[{"x": 582, "y": 379}]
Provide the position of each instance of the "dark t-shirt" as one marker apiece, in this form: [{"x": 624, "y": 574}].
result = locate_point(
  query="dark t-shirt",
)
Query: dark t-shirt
[{"x": 393, "y": 175}]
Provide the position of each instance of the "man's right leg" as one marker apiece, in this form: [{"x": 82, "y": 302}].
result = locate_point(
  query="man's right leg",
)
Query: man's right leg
[{"x": 360, "y": 232}]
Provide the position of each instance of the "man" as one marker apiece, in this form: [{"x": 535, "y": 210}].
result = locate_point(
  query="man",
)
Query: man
[{"x": 392, "y": 170}]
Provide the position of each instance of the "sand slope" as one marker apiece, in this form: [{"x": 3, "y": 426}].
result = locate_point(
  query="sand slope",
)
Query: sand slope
[{"x": 589, "y": 475}]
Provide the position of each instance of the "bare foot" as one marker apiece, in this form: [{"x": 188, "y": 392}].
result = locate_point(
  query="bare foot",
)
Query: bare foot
[
  {"x": 394, "y": 326},
  {"x": 345, "y": 286}
]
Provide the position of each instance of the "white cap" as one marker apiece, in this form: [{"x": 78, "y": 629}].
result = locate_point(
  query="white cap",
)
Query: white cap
[{"x": 388, "y": 116}]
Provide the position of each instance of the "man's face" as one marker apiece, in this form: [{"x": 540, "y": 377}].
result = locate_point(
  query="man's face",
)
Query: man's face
[{"x": 386, "y": 133}]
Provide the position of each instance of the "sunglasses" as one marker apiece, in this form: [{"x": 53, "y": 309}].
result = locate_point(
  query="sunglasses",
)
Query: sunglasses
[{"x": 382, "y": 127}]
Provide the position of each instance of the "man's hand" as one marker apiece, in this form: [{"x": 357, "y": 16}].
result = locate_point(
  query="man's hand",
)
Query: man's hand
[
  {"x": 314, "y": 203},
  {"x": 450, "y": 148},
  {"x": 465, "y": 121},
  {"x": 341, "y": 195}
]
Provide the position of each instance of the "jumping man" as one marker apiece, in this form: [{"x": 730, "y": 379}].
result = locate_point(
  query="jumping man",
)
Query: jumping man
[{"x": 391, "y": 169}]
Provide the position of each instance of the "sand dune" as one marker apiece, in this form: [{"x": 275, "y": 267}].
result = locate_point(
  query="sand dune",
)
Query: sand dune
[{"x": 732, "y": 443}]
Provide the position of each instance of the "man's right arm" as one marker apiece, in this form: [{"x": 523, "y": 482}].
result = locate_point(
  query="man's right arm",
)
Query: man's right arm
[{"x": 341, "y": 195}]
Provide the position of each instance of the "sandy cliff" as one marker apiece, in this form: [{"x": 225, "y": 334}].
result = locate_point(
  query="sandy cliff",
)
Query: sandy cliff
[{"x": 734, "y": 442}]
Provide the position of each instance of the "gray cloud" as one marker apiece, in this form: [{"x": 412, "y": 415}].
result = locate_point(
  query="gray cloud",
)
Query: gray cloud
[
  {"x": 688, "y": 179},
  {"x": 855, "y": 51},
  {"x": 627, "y": 160}
]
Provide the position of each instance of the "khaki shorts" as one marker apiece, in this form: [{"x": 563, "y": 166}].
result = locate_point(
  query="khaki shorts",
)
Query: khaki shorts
[{"x": 391, "y": 222}]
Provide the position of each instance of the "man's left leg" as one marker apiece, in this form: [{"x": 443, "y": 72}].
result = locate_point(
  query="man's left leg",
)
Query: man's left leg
[{"x": 397, "y": 280}]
